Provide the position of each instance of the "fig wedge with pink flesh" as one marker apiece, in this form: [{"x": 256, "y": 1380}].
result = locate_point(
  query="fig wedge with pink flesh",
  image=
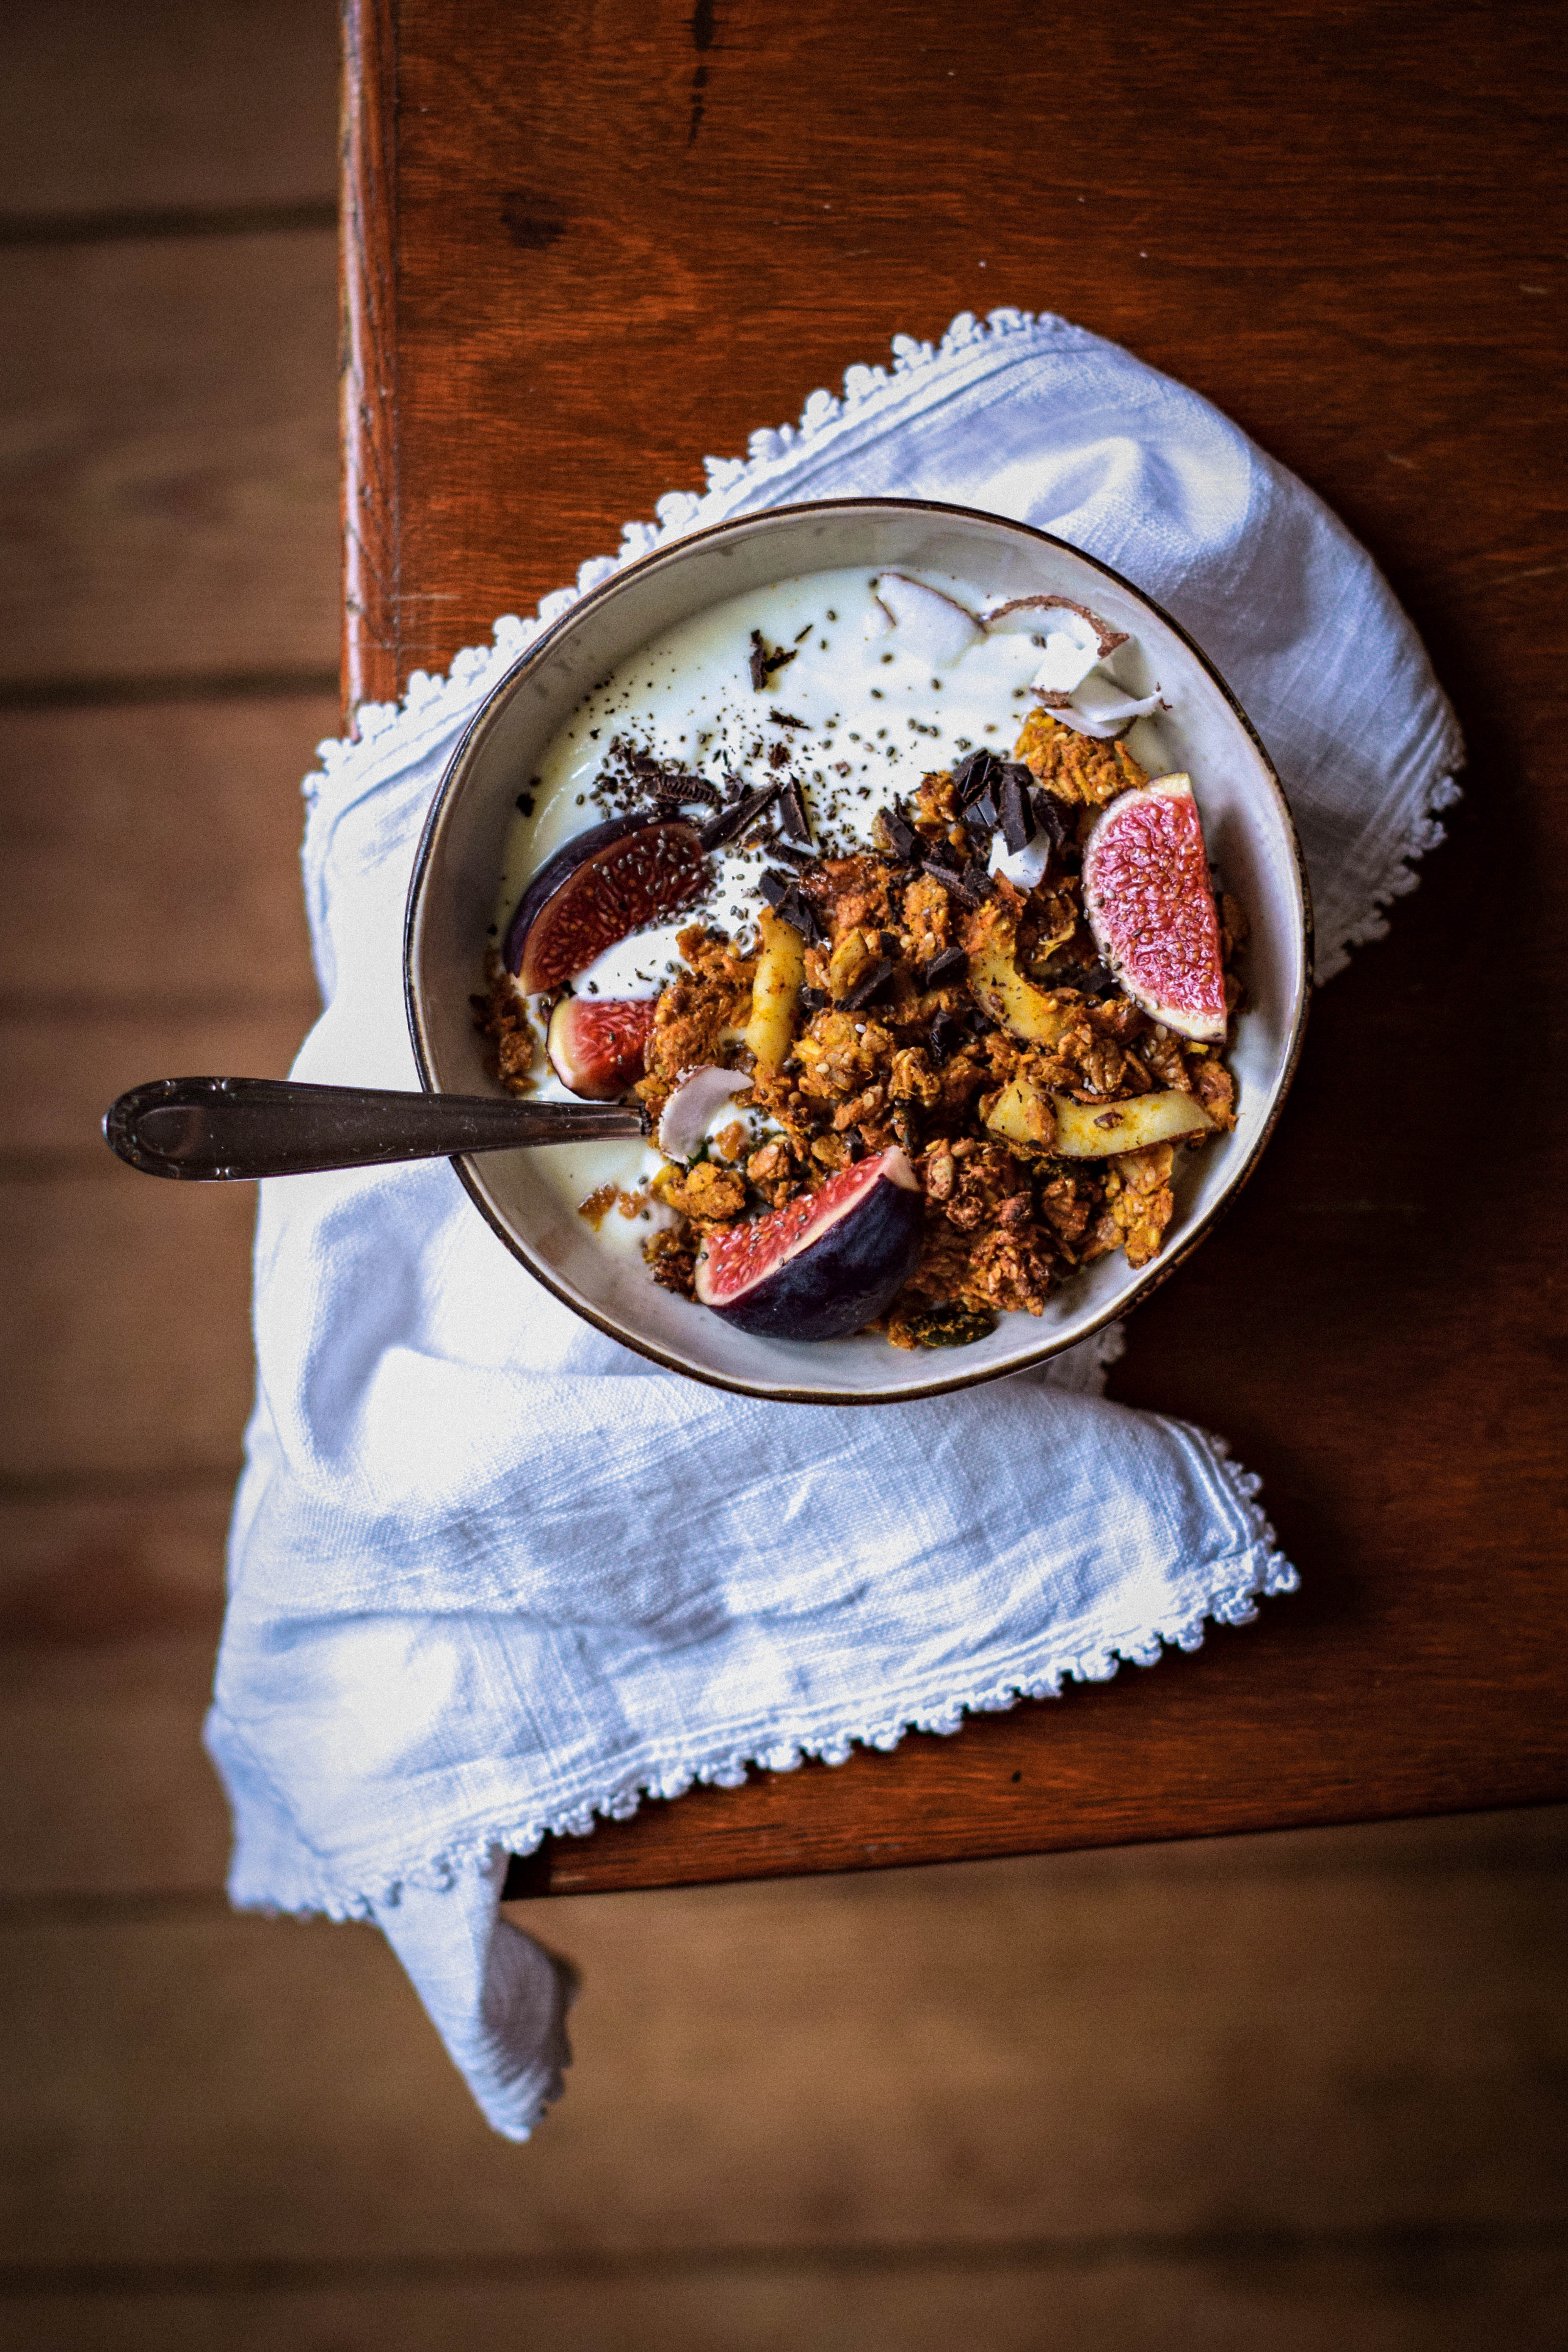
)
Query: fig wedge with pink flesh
[
  {"x": 610, "y": 881},
  {"x": 820, "y": 1267},
  {"x": 1147, "y": 896},
  {"x": 598, "y": 1045}
]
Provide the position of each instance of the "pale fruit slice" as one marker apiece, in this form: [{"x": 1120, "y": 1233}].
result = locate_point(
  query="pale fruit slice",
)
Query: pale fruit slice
[
  {"x": 1029, "y": 1116},
  {"x": 1146, "y": 893},
  {"x": 1037, "y": 1014},
  {"x": 775, "y": 991},
  {"x": 1095, "y": 1131}
]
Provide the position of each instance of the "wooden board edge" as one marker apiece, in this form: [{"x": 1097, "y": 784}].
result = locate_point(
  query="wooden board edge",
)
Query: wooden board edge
[{"x": 368, "y": 358}]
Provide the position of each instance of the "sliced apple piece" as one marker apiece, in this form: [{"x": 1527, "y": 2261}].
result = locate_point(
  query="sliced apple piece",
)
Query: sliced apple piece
[
  {"x": 1023, "y": 1113},
  {"x": 1095, "y": 1131},
  {"x": 1040, "y": 1016},
  {"x": 775, "y": 991}
]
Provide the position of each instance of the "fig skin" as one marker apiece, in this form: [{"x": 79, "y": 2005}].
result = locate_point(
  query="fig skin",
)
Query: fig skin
[
  {"x": 845, "y": 1274},
  {"x": 578, "y": 1056},
  {"x": 558, "y": 872}
]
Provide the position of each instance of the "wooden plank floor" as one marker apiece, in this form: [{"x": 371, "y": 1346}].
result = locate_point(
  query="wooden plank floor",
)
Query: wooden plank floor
[{"x": 1306, "y": 2091}]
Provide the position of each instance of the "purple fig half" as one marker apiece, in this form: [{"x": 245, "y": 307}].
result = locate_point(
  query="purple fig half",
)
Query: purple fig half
[
  {"x": 602, "y": 886},
  {"x": 821, "y": 1267}
]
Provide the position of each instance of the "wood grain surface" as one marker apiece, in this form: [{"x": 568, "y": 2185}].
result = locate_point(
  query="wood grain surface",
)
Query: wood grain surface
[{"x": 623, "y": 238}]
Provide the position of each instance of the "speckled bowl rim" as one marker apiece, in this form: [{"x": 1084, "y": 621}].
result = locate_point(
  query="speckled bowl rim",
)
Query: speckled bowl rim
[{"x": 1145, "y": 1282}]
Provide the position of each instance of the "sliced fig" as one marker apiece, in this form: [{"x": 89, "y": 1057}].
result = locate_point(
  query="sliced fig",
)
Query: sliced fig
[
  {"x": 604, "y": 884},
  {"x": 1146, "y": 893},
  {"x": 596, "y": 1045},
  {"x": 819, "y": 1267}
]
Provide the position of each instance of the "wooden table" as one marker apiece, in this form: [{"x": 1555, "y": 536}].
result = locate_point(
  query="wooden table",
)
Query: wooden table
[{"x": 584, "y": 246}]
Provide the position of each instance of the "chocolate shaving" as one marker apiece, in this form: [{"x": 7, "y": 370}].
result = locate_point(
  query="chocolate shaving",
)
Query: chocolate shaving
[
  {"x": 975, "y": 776},
  {"x": 951, "y": 966},
  {"x": 941, "y": 853},
  {"x": 791, "y": 813},
  {"x": 956, "y": 885},
  {"x": 764, "y": 665},
  {"x": 976, "y": 879},
  {"x": 775, "y": 885},
  {"x": 900, "y": 835},
  {"x": 677, "y": 785},
  {"x": 1048, "y": 818},
  {"x": 946, "y": 1034},
  {"x": 783, "y": 718},
  {"x": 737, "y": 816},
  {"x": 868, "y": 986},
  {"x": 812, "y": 1000},
  {"x": 1018, "y": 816},
  {"x": 793, "y": 850},
  {"x": 778, "y": 755},
  {"x": 799, "y": 913}
]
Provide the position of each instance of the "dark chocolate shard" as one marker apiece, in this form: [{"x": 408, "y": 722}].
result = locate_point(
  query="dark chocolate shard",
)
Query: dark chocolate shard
[
  {"x": 668, "y": 782},
  {"x": 946, "y": 1034},
  {"x": 764, "y": 665},
  {"x": 955, "y": 885},
  {"x": 791, "y": 813},
  {"x": 1018, "y": 816},
  {"x": 975, "y": 776},
  {"x": 869, "y": 987},
  {"x": 900, "y": 835},
  {"x": 783, "y": 717},
  {"x": 793, "y": 850},
  {"x": 735, "y": 819},
  {"x": 796, "y": 909},
  {"x": 944, "y": 969},
  {"x": 775, "y": 885},
  {"x": 980, "y": 1022},
  {"x": 942, "y": 853},
  {"x": 1048, "y": 818},
  {"x": 976, "y": 879},
  {"x": 812, "y": 1000}
]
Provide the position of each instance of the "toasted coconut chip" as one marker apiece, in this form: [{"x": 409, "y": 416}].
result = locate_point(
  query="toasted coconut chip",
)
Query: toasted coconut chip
[
  {"x": 688, "y": 1113},
  {"x": 1019, "y": 615},
  {"x": 932, "y": 626},
  {"x": 1099, "y": 707},
  {"x": 1025, "y": 868}
]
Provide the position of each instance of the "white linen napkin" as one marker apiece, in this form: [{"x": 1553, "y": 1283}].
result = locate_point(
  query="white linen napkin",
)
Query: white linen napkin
[{"x": 493, "y": 1575}]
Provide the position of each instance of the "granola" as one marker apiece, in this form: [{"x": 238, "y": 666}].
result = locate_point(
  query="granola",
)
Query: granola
[{"x": 932, "y": 989}]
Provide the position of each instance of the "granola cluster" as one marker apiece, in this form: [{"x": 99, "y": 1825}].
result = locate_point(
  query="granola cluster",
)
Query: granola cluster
[{"x": 943, "y": 1009}]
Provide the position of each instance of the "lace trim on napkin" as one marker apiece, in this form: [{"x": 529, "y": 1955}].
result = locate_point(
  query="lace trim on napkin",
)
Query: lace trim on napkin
[{"x": 1260, "y": 1572}]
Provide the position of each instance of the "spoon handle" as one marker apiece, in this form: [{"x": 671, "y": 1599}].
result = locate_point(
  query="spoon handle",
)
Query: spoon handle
[{"x": 216, "y": 1131}]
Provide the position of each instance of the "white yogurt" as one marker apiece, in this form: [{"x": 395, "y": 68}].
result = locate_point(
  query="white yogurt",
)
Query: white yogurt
[{"x": 876, "y": 719}]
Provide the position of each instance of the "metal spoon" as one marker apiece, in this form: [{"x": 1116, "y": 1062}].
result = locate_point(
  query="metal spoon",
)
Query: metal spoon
[{"x": 220, "y": 1130}]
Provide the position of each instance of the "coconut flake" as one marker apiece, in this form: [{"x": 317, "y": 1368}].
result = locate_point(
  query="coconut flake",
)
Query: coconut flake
[
  {"x": 688, "y": 1113},
  {"x": 1021, "y": 614},
  {"x": 929, "y": 626},
  {"x": 1025, "y": 868},
  {"x": 1096, "y": 706}
]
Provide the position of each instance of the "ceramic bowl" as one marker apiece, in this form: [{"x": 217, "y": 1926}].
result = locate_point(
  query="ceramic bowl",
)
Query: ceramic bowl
[{"x": 1246, "y": 825}]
